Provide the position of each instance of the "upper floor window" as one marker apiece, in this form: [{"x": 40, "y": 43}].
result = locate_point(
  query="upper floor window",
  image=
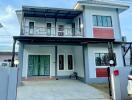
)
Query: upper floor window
[
  {"x": 103, "y": 21},
  {"x": 102, "y": 59},
  {"x": 79, "y": 23},
  {"x": 31, "y": 27},
  {"x": 48, "y": 28}
]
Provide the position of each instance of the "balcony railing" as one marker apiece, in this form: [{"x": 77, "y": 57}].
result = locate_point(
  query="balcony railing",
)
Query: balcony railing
[{"x": 52, "y": 31}]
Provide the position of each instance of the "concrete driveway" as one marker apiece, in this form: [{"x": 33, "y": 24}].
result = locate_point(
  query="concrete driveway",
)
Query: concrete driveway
[{"x": 59, "y": 90}]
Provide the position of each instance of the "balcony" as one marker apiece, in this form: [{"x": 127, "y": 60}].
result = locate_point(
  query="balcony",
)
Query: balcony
[{"x": 52, "y": 31}]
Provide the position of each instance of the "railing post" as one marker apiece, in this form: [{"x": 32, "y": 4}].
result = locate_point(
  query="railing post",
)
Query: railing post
[{"x": 55, "y": 26}]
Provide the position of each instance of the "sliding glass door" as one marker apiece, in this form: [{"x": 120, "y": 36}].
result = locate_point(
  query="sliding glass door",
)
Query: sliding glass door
[{"x": 39, "y": 65}]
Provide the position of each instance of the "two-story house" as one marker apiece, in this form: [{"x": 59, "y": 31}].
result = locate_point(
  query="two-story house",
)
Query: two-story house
[{"x": 56, "y": 42}]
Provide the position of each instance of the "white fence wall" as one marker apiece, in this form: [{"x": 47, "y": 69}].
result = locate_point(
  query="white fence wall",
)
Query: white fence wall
[
  {"x": 8, "y": 83},
  {"x": 119, "y": 83}
]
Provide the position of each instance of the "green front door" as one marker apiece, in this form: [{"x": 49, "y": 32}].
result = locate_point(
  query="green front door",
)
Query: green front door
[{"x": 38, "y": 65}]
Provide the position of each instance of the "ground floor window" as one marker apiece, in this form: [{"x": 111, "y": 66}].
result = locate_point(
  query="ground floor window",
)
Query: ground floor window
[
  {"x": 70, "y": 62},
  {"x": 61, "y": 62},
  {"x": 102, "y": 59}
]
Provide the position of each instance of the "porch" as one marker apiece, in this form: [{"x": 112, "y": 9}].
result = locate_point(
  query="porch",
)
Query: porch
[
  {"x": 55, "y": 46},
  {"x": 39, "y": 60},
  {"x": 59, "y": 90}
]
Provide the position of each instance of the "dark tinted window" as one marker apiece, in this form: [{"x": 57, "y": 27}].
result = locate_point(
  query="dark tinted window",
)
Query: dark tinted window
[
  {"x": 31, "y": 25},
  {"x": 102, "y": 59},
  {"x": 61, "y": 62},
  {"x": 70, "y": 62}
]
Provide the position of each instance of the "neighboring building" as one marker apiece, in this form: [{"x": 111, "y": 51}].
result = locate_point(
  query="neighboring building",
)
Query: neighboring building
[
  {"x": 5, "y": 58},
  {"x": 56, "y": 42}
]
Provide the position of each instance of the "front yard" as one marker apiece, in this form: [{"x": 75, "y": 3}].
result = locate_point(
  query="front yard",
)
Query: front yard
[{"x": 59, "y": 90}]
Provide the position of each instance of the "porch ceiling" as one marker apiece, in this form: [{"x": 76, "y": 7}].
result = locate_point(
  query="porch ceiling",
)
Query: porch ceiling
[
  {"x": 59, "y": 40},
  {"x": 46, "y": 12}
]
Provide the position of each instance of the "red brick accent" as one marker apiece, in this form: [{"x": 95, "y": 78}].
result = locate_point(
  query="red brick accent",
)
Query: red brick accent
[
  {"x": 101, "y": 72},
  {"x": 105, "y": 33}
]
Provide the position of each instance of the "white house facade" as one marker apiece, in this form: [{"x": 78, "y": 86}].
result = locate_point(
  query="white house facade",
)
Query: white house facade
[{"x": 55, "y": 42}]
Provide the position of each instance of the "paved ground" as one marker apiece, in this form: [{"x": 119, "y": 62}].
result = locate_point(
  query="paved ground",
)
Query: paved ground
[{"x": 59, "y": 90}]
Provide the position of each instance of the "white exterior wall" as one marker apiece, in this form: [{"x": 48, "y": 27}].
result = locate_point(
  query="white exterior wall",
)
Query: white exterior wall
[
  {"x": 65, "y": 50},
  {"x": 50, "y": 50},
  {"x": 78, "y": 60},
  {"x": 101, "y": 48},
  {"x": 88, "y": 21},
  {"x": 38, "y": 50}
]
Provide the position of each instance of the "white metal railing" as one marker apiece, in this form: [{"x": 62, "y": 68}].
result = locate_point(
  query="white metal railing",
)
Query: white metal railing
[{"x": 52, "y": 31}]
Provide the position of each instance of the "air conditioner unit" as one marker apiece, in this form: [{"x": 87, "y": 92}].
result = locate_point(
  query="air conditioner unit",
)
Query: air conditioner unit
[
  {"x": 60, "y": 33},
  {"x": 4, "y": 64}
]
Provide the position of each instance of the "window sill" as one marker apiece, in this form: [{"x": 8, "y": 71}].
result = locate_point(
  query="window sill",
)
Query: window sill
[
  {"x": 101, "y": 27},
  {"x": 102, "y": 66}
]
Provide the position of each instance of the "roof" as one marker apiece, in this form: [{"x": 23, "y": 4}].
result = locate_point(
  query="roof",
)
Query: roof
[
  {"x": 7, "y": 53},
  {"x": 48, "y": 12},
  {"x": 109, "y": 4},
  {"x": 59, "y": 40}
]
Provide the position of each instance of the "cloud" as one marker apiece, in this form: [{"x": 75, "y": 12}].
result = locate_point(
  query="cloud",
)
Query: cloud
[
  {"x": 9, "y": 12},
  {"x": 10, "y": 27},
  {"x": 9, "y": 21},
  {"x": 126, "y": 25}
]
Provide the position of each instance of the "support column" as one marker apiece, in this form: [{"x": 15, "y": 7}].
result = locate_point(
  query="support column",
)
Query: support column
[
  {"x": 56, "y": 50},
  {"x": 20, "y": 66},
  {"x": 111, "y": 57},
  {"x": 111, "y": 54},
  {"x": 13, "y": 54},
  {"x": 85, "y": 63}
]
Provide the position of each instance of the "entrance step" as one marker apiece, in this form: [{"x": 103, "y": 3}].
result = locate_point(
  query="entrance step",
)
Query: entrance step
[{"x": 38, "y": 78}]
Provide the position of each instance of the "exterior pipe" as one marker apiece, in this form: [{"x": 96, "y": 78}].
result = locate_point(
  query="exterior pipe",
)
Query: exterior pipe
[
  {"x": 13, "y": 54},
  {"x": 56, "y": 62}
]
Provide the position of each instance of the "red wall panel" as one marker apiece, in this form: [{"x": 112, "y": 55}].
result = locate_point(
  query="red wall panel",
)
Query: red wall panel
[
  {"x": 101, "y": 72},
  {"x": 105, "y": 33}
]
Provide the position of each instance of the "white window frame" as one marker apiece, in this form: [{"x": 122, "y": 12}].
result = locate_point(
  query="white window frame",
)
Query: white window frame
[
  {"x": 72, "y": 62},
  {"x": 103, "y": 66},
  {"x": 102, "y": 26},
  {"x": 58, "y": 61},
  {"x": 44, "y": 54}
]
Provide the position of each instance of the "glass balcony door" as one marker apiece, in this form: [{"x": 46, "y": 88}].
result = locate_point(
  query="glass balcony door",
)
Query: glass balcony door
[
  {"x": 31, "y": 27},
  {"x": 48, "y": 29},
  {"x": 39, "y": 65}
]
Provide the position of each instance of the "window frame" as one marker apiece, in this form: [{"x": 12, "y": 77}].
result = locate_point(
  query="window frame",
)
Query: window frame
[
  {"x": 68, "y": 62},
  {"x": 63, "y": 62},
  {"x": 49, "y": 28},
  {"x": 108, "y": 25},
  {"x": 103, "y": 66},
  {"x": 79, "y": 24},
  {"x": 31, "y": 28},
  {"x": 61, "y": 32}
]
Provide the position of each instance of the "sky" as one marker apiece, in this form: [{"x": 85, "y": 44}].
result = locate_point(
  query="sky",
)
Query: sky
[{"x": 11, "y": 27}]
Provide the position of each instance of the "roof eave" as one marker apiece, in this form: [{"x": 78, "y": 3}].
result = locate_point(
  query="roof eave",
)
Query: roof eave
[{"x": 114, "y": 6}]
